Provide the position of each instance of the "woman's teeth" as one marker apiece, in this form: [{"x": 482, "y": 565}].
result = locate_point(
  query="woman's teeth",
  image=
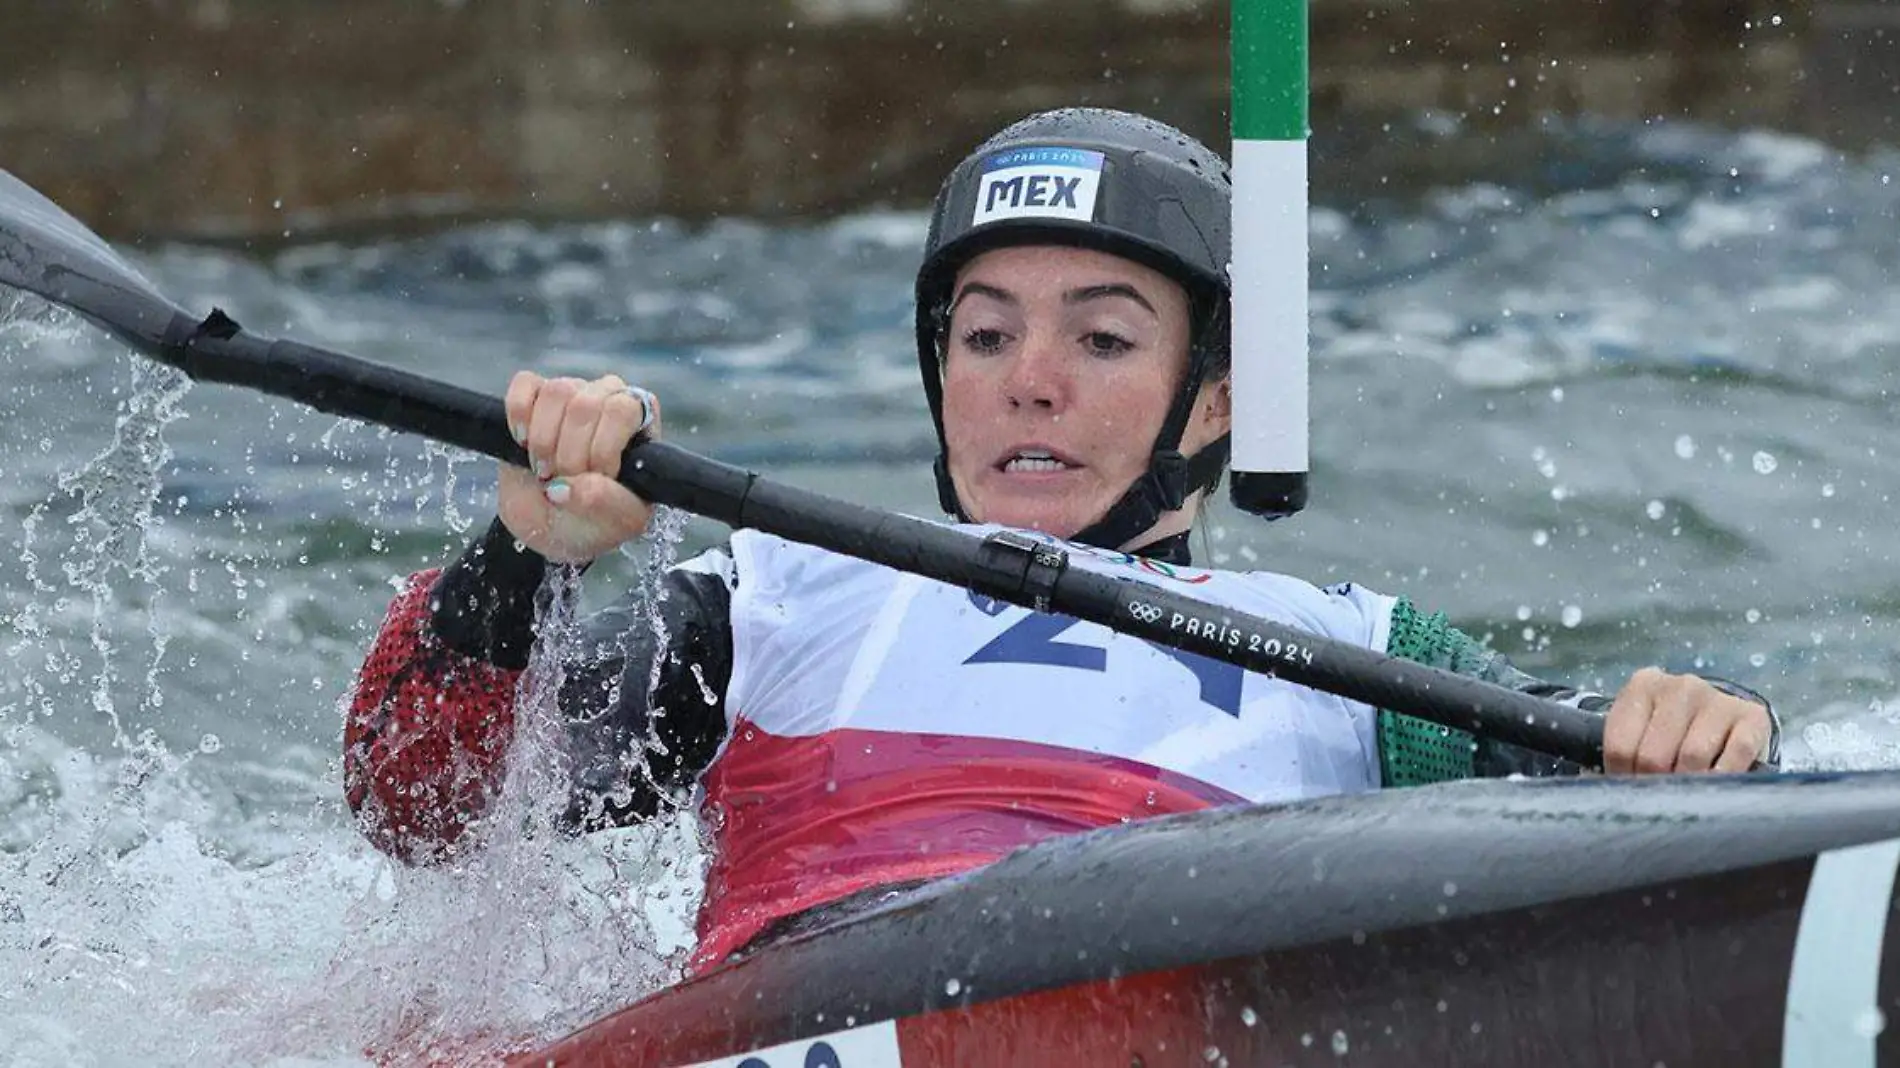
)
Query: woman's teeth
[{"x": 1033, "y": 464}]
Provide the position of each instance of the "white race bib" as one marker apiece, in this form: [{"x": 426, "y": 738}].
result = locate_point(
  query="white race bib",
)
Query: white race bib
[{"x": 824, "y": 643}]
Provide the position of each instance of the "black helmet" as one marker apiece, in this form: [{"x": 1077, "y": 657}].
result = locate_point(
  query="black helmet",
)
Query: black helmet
[{"x": 1118, "y": 183}]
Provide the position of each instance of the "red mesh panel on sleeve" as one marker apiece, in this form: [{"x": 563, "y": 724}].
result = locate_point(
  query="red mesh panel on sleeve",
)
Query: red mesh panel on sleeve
[{"x": 426, "y": 733}]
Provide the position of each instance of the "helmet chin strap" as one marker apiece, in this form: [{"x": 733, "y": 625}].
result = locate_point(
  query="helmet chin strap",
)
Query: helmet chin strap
[{"x": 1163, "y": 488}]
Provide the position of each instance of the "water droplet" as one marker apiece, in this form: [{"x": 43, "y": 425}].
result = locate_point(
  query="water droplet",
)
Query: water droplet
[
  {"x": 953, "y": 988},
  {"x": 1765, "y": 463},
  {"x": 1248, "y": 1016},
  {"x": 1654, "y": 509},
  {"x": 1306, "y": 1039},
  {"x": 1540, "y": 538},
  {"x": 1572, "y": 615},
  {"x": 1523, "y": 612},
  {"x": 1685, "y": 447},
  {"x": 210, "y": 743},
  {"x": 1753, "y": 615},
  {"x": 1758, "y": 659},
  {"x": 1340, "y": 1045},
  {"x": 1827, "y": 489},
  {"x": 1451, "y": 889},
  {"x": 1870, "y": 1022}
]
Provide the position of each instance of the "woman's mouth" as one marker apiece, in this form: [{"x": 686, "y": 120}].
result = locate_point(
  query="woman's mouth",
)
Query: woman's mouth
[{"x": 1034, "y": 461}]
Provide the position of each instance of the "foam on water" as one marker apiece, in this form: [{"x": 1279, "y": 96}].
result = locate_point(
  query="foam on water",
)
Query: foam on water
[
  {"x": 1765, "y": 251},
  {"x": 1845, "y": 738},
  {"x": 132, "y": 938}
]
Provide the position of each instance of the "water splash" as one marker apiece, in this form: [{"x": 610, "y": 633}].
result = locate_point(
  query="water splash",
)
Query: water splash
[
  {"x": 119, "y": 490},
  {"x": 115, "y": 903},
  {"x": 665, "y": 533},
  {"x": 526, "y": 932}
]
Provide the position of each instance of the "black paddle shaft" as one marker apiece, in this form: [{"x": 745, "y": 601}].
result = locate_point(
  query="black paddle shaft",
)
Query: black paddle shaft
[{"x": 1009, "y": 566}]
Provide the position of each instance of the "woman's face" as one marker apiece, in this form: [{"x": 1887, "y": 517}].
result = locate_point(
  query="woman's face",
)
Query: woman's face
[{"x": 1060, "y": 367}]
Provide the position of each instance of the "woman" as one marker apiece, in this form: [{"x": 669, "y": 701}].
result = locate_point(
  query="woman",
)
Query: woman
[{"x": 850, "y": 730}]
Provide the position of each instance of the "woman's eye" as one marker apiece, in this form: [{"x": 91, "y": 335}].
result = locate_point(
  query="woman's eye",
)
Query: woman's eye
[
  {"x": 1103, "y": 343},
  {"x": 983, "y": 339}
]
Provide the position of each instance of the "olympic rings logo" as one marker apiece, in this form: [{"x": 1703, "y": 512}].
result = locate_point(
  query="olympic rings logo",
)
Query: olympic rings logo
[{"x": 1143, "y": 611}]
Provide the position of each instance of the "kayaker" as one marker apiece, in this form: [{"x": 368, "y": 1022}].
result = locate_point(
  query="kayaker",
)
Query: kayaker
[{"x": 847, "y": 730}]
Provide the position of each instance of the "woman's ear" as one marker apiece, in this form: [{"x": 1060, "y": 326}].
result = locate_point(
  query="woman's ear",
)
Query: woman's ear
[{"x": 1217, "y": 401}]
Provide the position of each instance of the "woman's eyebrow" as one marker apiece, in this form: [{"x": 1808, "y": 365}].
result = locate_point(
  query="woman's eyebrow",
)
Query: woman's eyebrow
[
  {"x": 983, "y": 290},
  {"x": 1111, "y": 289}
]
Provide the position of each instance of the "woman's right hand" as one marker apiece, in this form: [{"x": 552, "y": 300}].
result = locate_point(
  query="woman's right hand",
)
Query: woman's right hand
[{"x": 570, "y": 508}]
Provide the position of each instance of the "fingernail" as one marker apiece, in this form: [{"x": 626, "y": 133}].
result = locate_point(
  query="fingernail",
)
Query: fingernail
[
  {"x": 542, "y": 468},
  {"x": 558, "y": 491},
  {"x": 520, "y": 432}
]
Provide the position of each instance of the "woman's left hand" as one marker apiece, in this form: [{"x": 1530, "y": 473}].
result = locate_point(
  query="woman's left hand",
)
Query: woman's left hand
[{"x": 1663, "y": 723}]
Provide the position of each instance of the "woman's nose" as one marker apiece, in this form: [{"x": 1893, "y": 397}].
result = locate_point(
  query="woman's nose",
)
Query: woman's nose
[{"x": 1036, "y": 377}]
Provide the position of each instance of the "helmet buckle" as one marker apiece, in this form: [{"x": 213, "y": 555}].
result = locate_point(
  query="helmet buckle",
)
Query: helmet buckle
[{"x": 1167, "y": 479}]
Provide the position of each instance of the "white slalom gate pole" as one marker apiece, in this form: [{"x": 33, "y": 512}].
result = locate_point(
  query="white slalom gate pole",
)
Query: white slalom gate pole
[{"x": 1270, "y": 453}]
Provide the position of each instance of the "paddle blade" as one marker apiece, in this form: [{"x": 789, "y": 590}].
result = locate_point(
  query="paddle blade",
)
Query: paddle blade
[{"x": 48, "y": 253}]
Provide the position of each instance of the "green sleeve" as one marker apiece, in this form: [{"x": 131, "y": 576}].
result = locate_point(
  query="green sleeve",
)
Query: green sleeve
[
  {"x": 1413, "y": 751},
  {"x": 1417, "y": 752}
]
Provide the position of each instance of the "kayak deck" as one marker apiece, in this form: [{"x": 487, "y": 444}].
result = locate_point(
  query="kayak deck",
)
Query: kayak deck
[{"x": 1578, "y": 922}]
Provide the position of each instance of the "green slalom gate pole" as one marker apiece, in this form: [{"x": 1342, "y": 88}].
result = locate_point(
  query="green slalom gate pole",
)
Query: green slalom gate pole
[{"x": 1270, "y": 454}]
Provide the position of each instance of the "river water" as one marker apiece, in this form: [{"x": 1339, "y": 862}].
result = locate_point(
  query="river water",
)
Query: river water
[{"x": 1626, "y": 401}]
